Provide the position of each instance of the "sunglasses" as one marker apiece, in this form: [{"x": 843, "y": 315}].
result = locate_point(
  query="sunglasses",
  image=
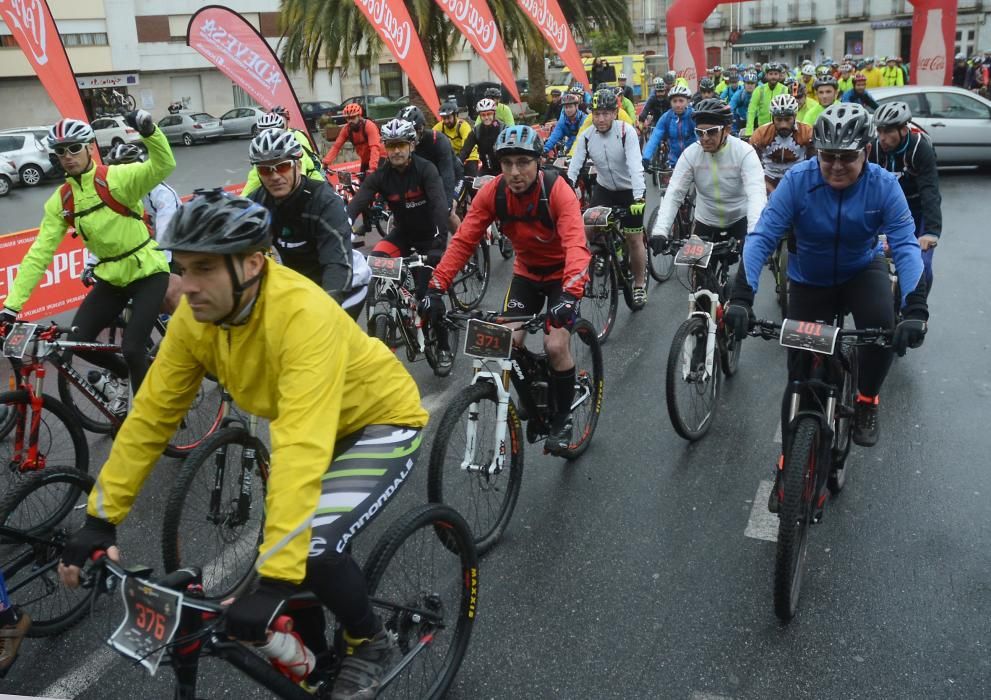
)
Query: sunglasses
[
  {"x": 73, "y": 149},
  {"x": 845, "y": 157},
  {"x": 280, "y": 168},
  {"x": 711, "y": 131}
]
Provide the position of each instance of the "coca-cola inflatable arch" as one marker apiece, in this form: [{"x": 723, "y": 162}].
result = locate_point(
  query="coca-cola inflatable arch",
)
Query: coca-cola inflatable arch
[{"x": 686, "y": 43}]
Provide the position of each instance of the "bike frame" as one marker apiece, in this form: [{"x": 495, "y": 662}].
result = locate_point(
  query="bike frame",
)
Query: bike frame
[{"x": 397, "y": 296}]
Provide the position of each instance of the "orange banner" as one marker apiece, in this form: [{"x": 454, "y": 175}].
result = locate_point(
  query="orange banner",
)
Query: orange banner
[
  {"x": 395, "y": 27},
  {"x": 474, "y": 19},
  {"x": 31, "y": 23},
  {"x": 228, "y": 41},
  {"x": 549, "y": 19}
]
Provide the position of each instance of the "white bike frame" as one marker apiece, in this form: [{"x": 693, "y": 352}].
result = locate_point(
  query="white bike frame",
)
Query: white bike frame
[{"x": 495, "y": 372}]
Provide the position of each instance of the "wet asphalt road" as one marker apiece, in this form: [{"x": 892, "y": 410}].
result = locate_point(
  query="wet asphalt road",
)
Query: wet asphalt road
[{"x": 631, "y": 574}]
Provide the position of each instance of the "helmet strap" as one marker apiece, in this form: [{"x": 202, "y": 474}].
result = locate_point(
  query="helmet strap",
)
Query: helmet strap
[{"x": 239, "y": 316}]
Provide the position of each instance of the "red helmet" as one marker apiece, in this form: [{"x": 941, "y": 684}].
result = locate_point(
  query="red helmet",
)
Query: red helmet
[
  {"x": 352, "y": 109},
  {"x": 860, "y": 78}
]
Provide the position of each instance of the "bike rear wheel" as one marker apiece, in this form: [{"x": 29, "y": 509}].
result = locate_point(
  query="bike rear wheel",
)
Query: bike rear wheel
[
  {"x": 795, "y": 515},
  {"x": 690, "y": 390},
  {"x": 422, "y": 576},
  {"x": 470, "y": 284},
  {"x": 203, "y": 524},
  {"x": 601, "y": 299},
  {"x": 589, "y": 384},
  {"x": 467, "y": 432},
  {"x": 50, "y": 505}
]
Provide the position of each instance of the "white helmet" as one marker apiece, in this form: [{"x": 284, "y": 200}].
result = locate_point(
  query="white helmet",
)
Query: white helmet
[
  {"x": 622, "y": 76},
  {"x": 274, "y": 145},
  {"x": 784, "y": 106},
  {"x": 270, "y": 120},
  {"x": 485, "y": 105},
  {"x": 679, "y": 91},
  {"x": 809, "y": 70},
  {"x": 70, "y": 131}
]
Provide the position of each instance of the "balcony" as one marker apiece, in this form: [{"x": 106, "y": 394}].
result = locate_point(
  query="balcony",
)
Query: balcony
[
  {"x": 645, "y": 26},
  {"x": 971, "y": 5},
  {"x": 763, "y": 15},
  {"x": 853, "y": 9},
  {"x": 802, "y": 13}
]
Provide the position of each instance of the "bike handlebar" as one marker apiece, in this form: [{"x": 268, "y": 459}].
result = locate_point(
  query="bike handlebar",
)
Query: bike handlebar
[
  {"x": 866, "y": 336},
  {"x": 50, "y": 332},
  {"x": 532, "y": 323}
]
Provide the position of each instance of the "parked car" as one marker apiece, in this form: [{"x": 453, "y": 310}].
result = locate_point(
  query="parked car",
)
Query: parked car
[
  {"x": 189, "y": 127},
  {"x": 312, "y": 111},
  {"x": 241, "y": 121},
  {"x": 445, "y": 92},
  {"x": 29, "y": 154},
  {"x": 112, "y": 131},
  {"x": 476, "y": 91},
  {"x": 8, "y": 176},
  {"x": 373, "y": 106},
  {"x": 958, "y": 121}
]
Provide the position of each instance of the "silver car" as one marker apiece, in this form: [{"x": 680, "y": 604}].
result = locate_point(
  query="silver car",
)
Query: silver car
[
  {"x": 241, "y": 121},
  {"x": 8, "y": 176},
  {"x": 958, "y": 121},
  {"x": 189, "y": 127},
  {"x": 29, "y": 154},
  {"x": 112, "y": 131}
]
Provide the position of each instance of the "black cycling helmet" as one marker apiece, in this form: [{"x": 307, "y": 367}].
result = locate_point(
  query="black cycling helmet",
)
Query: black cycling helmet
[
  {"x": 604, "y": 99},
  {"x": 413, "y": 115},
  {"x": 707, "y": 84},
  {"x": 493, "y": 93},
  {"x": 824, "y": 81},
  {"x": 448, "y": 108},
  {"x": 772, "y": 66},
  {"x": 712, "y": 110},
  {"x": 518, "y": 140},
  {"x": 892, "y": 114},
  {"x": 843, "y": 127},
  {"x": 577, "y": 90},
  {"x": 124, "y": 153},
  {"x": 215, "y": 221}
]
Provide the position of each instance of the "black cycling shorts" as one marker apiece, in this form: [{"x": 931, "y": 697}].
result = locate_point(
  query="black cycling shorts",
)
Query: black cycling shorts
[
  {"x": 737, "y": 229},
  {"x": 601, "y": 197},
  {"x": 526, "y": 296}
]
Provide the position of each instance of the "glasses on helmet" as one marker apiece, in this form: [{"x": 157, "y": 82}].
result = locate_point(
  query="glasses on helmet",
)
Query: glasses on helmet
[
  {"x": 845, "y": 157},
  {"x": 73, "y": 149},
  {"x": 281, "y": 168},
  {"x": 710, "y": 131}
]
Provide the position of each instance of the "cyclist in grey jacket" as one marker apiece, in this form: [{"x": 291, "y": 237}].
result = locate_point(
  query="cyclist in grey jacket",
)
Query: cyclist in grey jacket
[{"x": 614, "y": 148}]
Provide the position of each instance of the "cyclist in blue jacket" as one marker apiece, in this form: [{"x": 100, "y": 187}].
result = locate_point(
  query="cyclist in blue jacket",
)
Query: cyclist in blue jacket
[
  {"x": 740, "y": 102},
  {"x": 676, "y": 126},
  {"x": 567, "y": 125},
  {"x": 836, "y": 205}
]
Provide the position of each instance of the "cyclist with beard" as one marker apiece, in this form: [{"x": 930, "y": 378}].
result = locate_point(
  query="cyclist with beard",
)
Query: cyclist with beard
[
  {"x": 310, "y": 227},
  {"x": 759, "y": 110},
  {"x": 436, "y": 147},
  {"x": 568, "y": 123},
  {"x": 656, "y": 105},
  {"x": 457, "y": 131},
  {"x": 784, "y": 142},
  {"x": 363, "y": 134}
]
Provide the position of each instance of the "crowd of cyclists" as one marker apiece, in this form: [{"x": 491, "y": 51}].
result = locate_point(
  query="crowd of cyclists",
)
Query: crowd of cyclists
[{"x": 770, "y": 156}]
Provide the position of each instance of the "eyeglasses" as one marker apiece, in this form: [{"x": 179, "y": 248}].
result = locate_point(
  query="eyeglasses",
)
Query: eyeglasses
[
  {"x": 520, "y": 164},
  {"x": 73, "y": 149},
  {"x": 280, "y": 168},
  {"x": 845, "y": 157},
  {"x": 711, "y": 131}
]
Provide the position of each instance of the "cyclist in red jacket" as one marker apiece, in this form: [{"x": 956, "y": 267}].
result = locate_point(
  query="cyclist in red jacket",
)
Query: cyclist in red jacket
[
  {"x": 540, "y": 214},
  {"x": 363, "y": 134}
]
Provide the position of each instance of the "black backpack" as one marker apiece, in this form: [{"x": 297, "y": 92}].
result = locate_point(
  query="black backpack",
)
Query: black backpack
[{"x": 547, "y": 178}]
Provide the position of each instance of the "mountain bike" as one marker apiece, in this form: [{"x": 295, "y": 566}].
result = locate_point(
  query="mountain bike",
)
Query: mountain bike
[
  {"x": 702, "y": 344},
  {"x": 817, "y": 415},
  {"x": 476, "y": 463},
  {"x": 608, "y": 270},
  {"x": 111, "y": 101},
  {"x": 422, "y": 577},
  {"x": 347, "y": 185},
  {"x": 37, "y": 516},
  {"x": 392, "y": 314},
  {"x": 215, "y": 508},
  {"x": 202, "y": 418}
]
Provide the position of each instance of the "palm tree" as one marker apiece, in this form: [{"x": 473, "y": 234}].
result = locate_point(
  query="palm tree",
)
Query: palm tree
[{"x": 336, "y": 32}]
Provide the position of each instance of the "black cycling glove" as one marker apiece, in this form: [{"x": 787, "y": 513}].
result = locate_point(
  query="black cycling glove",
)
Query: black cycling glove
[
  {"x": 141, "y": 121},
  {"x": 96, "y": 534},
  {"x": 432, "y": 305},
  {"x": 250, "y": 616},
  {"x": 564, "y": 313}
]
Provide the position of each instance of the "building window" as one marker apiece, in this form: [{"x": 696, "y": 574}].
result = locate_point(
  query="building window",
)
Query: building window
[
  {"x": 7, "y": 41},
  {"x": 87, "y": 39},
  {"x": 177, "y": 28},
  {"x": 853, "y": 43},
  {"x": 391, "y": 80},
  {"x": 965, "y": 41}
]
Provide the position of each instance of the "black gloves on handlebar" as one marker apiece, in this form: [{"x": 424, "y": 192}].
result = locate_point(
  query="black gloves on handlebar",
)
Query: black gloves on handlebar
[
  {"x": 911, "y": 331},
  {"x": 96, "y": 534},
  {"x": 739, "y": 314},
  {"x": 659, "y": 244},
  {"x": 432, "y": 306},
  {"x": 141, "y": 121},
  {"x": 251, "y": 615},
  {"x": 88, "y": 277},
  {"x": 564, "y": 313}
]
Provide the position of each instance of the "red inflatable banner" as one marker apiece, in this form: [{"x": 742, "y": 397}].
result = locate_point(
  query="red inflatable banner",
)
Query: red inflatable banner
[
  {"x": 392, "y": 22},
  {"x": 228, "y": 41},
  {"x": 934, "y": 26},
  {"x": 686, "y": 42},
  {"x": 474, "y": 19},
  {"x": 548, "y": 18},
  {"x": 32, "y": 25}
]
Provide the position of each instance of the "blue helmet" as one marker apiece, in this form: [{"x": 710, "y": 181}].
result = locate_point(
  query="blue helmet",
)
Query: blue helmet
[{"x": 518, "y": 140}]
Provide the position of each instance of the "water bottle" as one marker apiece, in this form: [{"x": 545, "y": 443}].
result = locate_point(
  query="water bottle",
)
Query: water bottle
[
  {"x": 98, "y": 380},
  {"x": 286, "y": 651},
  {"x": 539, "y": 392}
]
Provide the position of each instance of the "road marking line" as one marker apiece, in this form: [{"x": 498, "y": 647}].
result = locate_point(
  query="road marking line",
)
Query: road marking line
[
  {"x": 763, "y": 525},
  {"x": 700, "y": 695},
  {"x": 777, "y": 434},
  {"x": 83, "y": 676}
]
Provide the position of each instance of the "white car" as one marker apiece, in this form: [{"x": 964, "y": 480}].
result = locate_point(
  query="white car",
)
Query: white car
[
  {"x": 8, "y": 176},
  {"x": 29, "y": 154},
  {"x": 958, "y": 120},
  {"x": 112, "y": 131}
]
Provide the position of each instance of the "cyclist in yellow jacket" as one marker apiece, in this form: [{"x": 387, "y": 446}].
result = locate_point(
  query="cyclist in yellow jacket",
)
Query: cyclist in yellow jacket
[
  {"x": 891, "y": 74},
  {"x": 457, "y": 130},
  {"x": 336, "y": 399},
  {"x": 131, "y": 267}
]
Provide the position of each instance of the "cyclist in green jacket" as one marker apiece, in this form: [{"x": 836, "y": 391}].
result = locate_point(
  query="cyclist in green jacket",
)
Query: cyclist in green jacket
[
  {"x": 759, "y": 111},
  {"x": 310, "y": 166},
  {"x": 131, "y": 267},
  {"x": 504, "y": 115}
]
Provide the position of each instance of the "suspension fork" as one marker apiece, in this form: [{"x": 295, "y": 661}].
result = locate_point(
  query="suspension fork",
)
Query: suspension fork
[
  {"x": 501, "y": 382},
  {"x": 33, "y": 460},
  {"x": 249, "y": 459}
]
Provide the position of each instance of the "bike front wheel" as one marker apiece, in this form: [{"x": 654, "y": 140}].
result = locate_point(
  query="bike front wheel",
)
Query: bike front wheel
[
  {"x": 691, "y": 390},
  {"x": 422, "y": 578},
  {"x": 460, "y": 472},
  {"x": 661, "y": 267},
  {"x": 601, "y": 299},
  {"x": 729, "y": 354},
  {"x": 589, "y": 385},
  {"x": 843, "y": 420},
  {"x": 470, "y": 284},
  {"x": 215, "y": 513},
  {"x": 795, "y": 515},
  {"x": 50, "y": 505}
]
